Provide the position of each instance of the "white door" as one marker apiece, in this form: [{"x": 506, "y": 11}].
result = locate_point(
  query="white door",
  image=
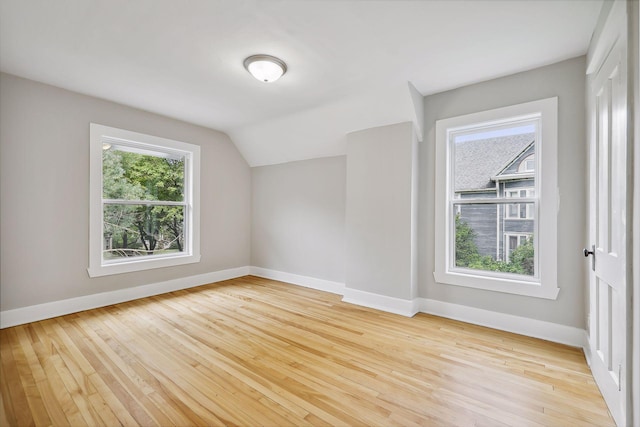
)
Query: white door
[{"x": 608, "y": 322}]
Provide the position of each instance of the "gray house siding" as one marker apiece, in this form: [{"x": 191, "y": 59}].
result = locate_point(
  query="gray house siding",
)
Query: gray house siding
[
  {"x": 521, "y": 183},
  {"x": 518, "y": 226},
  {"x": 482, "y": 219}
]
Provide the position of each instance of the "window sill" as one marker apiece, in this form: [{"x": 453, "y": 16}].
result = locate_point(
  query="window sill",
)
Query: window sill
[
  {"x": 140, "y": 265},
  {"x": 495, "y": 284}
]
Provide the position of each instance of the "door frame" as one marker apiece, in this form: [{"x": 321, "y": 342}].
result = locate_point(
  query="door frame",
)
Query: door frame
[{"x": 634, "y": 77}]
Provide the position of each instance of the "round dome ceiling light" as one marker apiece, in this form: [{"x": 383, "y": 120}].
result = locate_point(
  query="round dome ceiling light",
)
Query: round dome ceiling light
[{"x": 265, "y": 68}]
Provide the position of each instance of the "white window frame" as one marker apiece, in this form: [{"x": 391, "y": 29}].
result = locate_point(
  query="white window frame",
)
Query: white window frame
[
  {"x": 99, "y": 135},
  {"x": 544, "y": 284}
]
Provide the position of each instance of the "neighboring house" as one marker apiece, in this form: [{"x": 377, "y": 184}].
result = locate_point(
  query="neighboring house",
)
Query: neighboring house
[{"x": 488, "y": 168}]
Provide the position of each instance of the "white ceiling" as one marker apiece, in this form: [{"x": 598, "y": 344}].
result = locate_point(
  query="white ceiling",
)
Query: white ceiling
[{"x": 349, "y": 61}]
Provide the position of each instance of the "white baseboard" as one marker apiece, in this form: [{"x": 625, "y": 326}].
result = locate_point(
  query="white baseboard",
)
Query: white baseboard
[
  {"x": 549, "y": 331},
  {"x": 521, "y": 325},
  {"x": 507, "y": 322},
  {"x": 352, "y": 296},
  {"x": 296, "y": 279},
  {"x": 407, "y": 308},
  {"x": 48, "y": 310}
]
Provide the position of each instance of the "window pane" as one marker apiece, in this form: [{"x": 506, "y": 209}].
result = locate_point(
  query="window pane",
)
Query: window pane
[
  {"x": 143, "y": 175},
  {"x": 527, "y": 165},
  {"x": 140, "y": 230},
  {"x": 487, "y": 162},
  {"x": 513, "y": 211},
  {"x": 487, "y": 240}
]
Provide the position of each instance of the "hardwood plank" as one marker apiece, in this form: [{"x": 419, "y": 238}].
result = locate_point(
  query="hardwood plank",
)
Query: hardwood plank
[
  {"x": 57, "y": 388},
  {"x": 252, "y": 351},
  {"x": 43, "y": 384},
  {"x": 141, "y": 383},
  {"x": 15, "y": 407},
  {"x": 85, "y": 415},
  {"x": 125, "y": 406},
  {"x": 4, "y": 413},
  {"x": 38, "y": 411}
]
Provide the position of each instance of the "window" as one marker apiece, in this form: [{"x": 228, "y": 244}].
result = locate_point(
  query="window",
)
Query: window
[
  {"x": 527, "y": 165},
  {"x": 520, "y": 210},
  {"x": 144, "y": 194},
  {"x": 515, "y": 241},
  {"x": 484, "y": 161}
]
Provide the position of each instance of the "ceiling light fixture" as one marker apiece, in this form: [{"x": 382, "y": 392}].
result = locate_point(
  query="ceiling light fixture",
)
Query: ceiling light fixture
[{"x": 265, "y": 68}]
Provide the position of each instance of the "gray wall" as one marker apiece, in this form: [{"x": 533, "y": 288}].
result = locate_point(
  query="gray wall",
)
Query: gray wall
[
  {"x": 288, "y": 217},
  {"x": 567, "y": 81},
  {"x": 380, "y": 207},
  {"x": 297, "y": 218},
  {"x": 44, "y": 194}
]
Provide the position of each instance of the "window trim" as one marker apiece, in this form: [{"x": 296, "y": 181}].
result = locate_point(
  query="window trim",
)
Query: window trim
[
  {"x": 99, "y": 134},
  {"x": 545, "y": 285}
]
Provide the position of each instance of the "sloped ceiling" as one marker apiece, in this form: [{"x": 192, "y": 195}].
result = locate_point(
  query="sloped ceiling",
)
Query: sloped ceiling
[{"x": 349, "y": 61}]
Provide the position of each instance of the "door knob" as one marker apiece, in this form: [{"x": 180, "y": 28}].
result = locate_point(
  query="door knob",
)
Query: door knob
[{"x": 591, "y": 252}]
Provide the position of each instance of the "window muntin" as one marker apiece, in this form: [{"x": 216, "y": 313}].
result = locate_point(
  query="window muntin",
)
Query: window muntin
[
  {"x": 533, "y": 219},
  {"x": 144, "y": 209}
]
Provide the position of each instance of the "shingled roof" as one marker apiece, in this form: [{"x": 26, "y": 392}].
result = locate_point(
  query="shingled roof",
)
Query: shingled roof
[{"x": 477, "y": 161}]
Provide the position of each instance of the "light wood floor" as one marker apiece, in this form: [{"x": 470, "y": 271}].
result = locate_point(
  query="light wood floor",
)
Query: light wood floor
[{"x": 254, "y": 352}]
